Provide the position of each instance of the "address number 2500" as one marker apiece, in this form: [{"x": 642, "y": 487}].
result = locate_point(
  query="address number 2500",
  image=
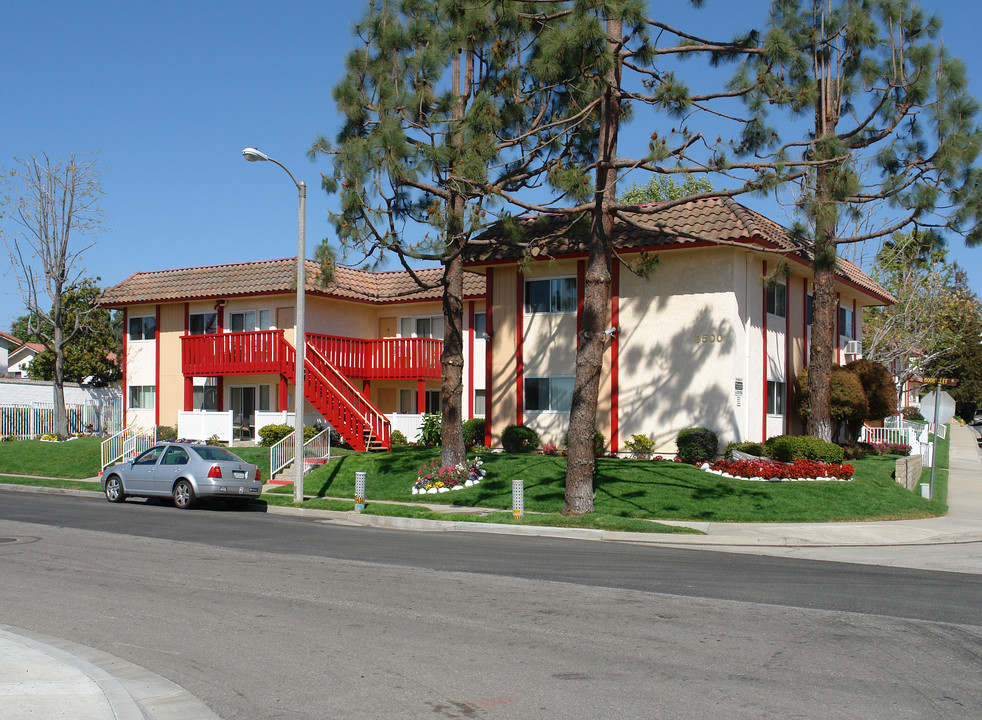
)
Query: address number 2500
[{"x": 708, "y": 337}]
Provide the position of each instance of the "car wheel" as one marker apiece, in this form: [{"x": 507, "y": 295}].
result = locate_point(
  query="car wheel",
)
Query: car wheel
[
  {"x": 183, "y": 494},
  {"x": 114, "y": 489}
]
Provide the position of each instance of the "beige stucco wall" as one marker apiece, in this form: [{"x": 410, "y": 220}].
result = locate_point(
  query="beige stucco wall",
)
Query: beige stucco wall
[{"x": 503, "y": 357}]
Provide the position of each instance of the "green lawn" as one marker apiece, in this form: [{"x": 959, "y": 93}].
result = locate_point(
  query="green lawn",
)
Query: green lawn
[
  {"x": 630, "y": 494},
  {"x": 639, "y": 489}
]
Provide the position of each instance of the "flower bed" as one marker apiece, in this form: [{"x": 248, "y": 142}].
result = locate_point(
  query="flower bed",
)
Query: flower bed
[
  {"x": 773, "y": 470},
  {"x": 432, "y": 478}
]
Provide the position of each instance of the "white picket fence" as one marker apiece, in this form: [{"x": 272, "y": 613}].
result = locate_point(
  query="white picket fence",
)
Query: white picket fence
[
  {"x": 29, "y": 420},
  {"x": 915, "y": 435}
]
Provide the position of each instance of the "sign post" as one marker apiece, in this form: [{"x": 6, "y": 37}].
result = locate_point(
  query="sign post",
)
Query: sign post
[{"x": 942, "y": 406}]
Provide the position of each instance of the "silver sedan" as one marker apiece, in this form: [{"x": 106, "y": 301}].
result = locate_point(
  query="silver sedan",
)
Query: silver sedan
[{"x": 185, "y": 472}]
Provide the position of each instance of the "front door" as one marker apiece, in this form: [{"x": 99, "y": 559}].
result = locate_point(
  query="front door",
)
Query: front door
[{"x": 243, "y": 412}]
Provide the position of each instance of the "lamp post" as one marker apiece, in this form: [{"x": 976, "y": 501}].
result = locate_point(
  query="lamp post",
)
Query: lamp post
[{"x": 253, "y": 155}]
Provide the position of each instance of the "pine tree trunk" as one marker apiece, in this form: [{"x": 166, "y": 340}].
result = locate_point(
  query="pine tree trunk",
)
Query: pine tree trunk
[
  {"x": 580, "y": 461},
  {"x": 453, "y": 451}
]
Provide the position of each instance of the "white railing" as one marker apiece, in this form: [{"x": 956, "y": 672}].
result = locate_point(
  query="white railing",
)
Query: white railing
[
  {"x": 894, "y": 435},
  {"x": 203, "y": 424},
  {"x": 28, "y": 420},
  {"x": 127, "y": 443},
  {"x": 281, "y": 454},
  {"x": 408, "y": 424}
]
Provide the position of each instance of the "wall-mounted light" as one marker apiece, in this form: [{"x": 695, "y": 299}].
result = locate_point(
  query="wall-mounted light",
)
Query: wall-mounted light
[
  {"x": 611, "y": 331},
  {"x": 485, "y": 335}
]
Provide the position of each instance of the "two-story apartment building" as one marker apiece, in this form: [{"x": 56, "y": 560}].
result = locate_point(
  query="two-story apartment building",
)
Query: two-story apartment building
[{"x": 704, "y": 341}]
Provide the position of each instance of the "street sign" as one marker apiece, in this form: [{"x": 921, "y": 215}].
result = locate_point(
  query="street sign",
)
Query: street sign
[
  {"x": 946, "y": 382},
  {"x": 945, "y": 409}
]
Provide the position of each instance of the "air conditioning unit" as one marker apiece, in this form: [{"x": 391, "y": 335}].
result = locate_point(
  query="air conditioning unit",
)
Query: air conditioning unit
[{"x": 853, "y": 347}]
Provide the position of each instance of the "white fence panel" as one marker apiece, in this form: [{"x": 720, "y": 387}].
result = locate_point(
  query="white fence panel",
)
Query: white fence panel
[
  {"x": 896, "y": 435},
  {"x": 127, "y": 443},
  {"x": 29, "y": 420},
  {"x": 408, "y": 424},
  {"x": 203, "y": 424}
]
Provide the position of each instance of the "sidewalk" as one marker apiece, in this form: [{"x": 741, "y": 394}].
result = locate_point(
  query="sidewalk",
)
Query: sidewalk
[{"x": 44, "y": 677}]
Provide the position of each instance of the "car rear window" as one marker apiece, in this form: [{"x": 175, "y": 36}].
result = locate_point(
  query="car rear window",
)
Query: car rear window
[{"x": 215, "y": 454}]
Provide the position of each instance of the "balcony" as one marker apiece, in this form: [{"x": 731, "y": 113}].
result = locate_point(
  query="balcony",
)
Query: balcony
[{"x": 266, "y": 352}]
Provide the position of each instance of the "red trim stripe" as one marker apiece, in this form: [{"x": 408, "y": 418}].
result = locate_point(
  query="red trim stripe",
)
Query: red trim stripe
[
  {"x": 471, "y": 392},
  {"x": 156, "y": 350}
]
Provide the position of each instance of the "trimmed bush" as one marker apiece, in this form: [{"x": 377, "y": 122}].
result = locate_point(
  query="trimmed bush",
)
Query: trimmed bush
[
  {"x": 269, "y": 435},
  {"x": 520, "y": 439},
  {"x": 788, "y": 448},
  {"x": 750, "y": 448},
  {"x": 697, "y": 445},
  {"x": 878, "y": 386},
  {"x": 474, "y": 432},
  {"x": 397, "y": 438}
]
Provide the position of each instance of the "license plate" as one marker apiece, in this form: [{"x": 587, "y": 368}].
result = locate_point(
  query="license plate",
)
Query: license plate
[{"x": 239, "y": 474}]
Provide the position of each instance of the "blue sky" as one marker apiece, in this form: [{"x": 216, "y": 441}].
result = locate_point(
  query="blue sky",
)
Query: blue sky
[{"x": 170, "y": 93}]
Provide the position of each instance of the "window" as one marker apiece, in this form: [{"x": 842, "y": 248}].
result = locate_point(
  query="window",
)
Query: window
[
  {"x": 250, "y": 320},
  {"x": 846, "y": 318},
  {"x": 408, "y": 401},
  {"x": 203, "y": 324},
  {"x": 549, "y": 394},
  {"x": 175, "y": 456},
  {"x": 480, "y": 324},
  {"x": 205, "y": 395},
  {"x": 555, "y": 295},
  {"x": 150, "y": 456},
  {"x": 141, "y": 397},
  {"x": 775, "y": 398},
  {"x": 776, "y": 298},
  {"x": 143, "y": 328},
  {"x": 479, "y": 403},
  {"x": 421, "y": 327}
]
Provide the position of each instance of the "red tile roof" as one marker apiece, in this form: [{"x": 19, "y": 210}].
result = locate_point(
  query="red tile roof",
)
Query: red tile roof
[
  {"x": 720, "y": 221},
  {"x": 277, "y": 276}
]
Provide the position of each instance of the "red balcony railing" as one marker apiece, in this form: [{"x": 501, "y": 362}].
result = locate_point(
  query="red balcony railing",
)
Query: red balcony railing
[
  {"x": 382, "y": 359},
  {"x": 243, "y": 353}
]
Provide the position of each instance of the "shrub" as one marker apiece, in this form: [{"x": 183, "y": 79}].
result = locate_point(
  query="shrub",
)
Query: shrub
[
  {"x": 474, "y": 432},
  {"x": 269, "y": 435},
  {"x": 750, "y": 448},
  {"x": 550, "y": 449},
  {"x": 859, "y": 451},
  {"x": 519, "y": 439},
  {"x": 788, "y": 448},
  {"x": 431, "y": 431},
  {"x": 165, "y": 432},
  {"x": 848, "y": 400},
  {"x": 697, "y": 445},
  {"x": 599, "y": 443},
  {"x": 912, "y": 413},
  {"x": 640, "y": 446},
  {"x": 397, "y": 438},
  {"x": 878, "y": 386}
]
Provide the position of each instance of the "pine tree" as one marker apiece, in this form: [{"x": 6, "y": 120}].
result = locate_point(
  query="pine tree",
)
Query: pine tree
[{"x": 890, "y": 131}]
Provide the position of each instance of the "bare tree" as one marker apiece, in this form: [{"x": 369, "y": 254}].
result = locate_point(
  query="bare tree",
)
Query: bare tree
[{"x": 49, "y": 203}]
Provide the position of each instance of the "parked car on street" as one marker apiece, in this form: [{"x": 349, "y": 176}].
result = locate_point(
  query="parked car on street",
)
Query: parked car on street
[
  {"x": 977, "y": 420},
  {"x": 185, "y": 472}
]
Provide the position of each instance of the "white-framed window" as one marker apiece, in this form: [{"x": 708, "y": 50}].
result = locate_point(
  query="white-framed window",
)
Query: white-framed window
[
  {"x": 480, "y": 324},
  {"x": 141, "y": 397},
  {"x": 142, "y": 327},
  {"x": 549, "y": 394},
  {"x": 479, "y": 403},
  {"x": 250, "y": 320},
  {"x": 421, "y": 327},
  {"x": 846, "y": 318},
  {"x": 205, "y": 394},
  {"x": 775, "y": 397},
  {"x": 550, "y": 295},
  {"x": 409, "y": 401},
  {"x": 777, "y": 300},
  {"x": 203, "y": 323}
]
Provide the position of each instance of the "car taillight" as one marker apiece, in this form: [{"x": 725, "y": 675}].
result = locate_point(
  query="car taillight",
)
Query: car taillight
[
  {"x": 259, "y": 477},
  {"x": 215, "y": 472}
]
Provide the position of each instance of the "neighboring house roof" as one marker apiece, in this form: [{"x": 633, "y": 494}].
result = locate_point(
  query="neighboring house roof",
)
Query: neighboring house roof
[
  {"x": 720, "y": 220},
  {"x": 277, "y": 276},
  {"x": 10, "y": 340}
]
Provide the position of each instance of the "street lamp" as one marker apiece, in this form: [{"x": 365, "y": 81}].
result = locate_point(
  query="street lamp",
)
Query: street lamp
[{"x": 253, "y": 155}]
